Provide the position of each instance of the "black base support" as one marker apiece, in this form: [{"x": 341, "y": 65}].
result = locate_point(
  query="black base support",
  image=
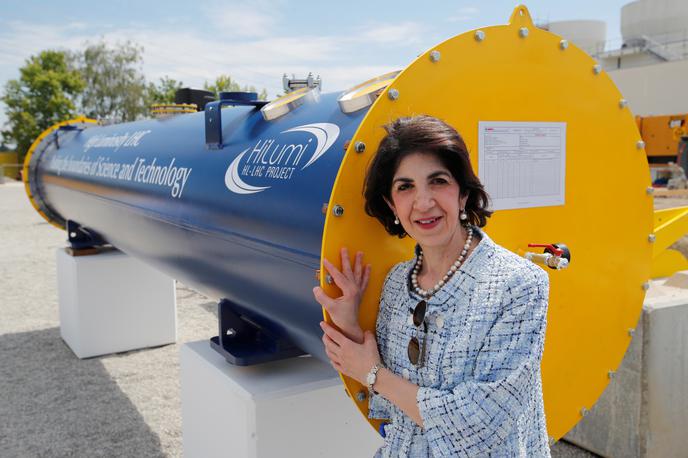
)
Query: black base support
[
  {"x": 244, "y": 343},
  {"x": 81, "y": 238}
]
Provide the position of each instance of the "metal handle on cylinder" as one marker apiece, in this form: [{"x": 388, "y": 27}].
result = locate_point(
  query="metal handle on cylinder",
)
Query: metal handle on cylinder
[{"x": 213, "y": 114}]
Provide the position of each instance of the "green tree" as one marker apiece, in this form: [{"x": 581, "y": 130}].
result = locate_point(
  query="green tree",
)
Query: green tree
[
  {"x": 164, "y": 91},
  {"x": 42, "y": 96},
  {"x": 116, "y": 89},
  {"x": 225, "y": 83}
]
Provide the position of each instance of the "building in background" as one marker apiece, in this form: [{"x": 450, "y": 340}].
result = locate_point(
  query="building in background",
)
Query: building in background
[{"x": 649, "y": 63}]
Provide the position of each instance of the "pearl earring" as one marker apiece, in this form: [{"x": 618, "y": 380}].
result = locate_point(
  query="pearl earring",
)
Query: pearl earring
[
  {"x": 463, "y": 216},
  {"x": 396, "y": 220}
]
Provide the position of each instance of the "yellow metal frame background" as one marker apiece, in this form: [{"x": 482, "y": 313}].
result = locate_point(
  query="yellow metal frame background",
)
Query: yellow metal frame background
[
  {"x": 670, "y": 224},
  {"x": 517, "y": 72}
]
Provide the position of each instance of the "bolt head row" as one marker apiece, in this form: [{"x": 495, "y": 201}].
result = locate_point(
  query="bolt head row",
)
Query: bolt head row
[
  {"x": 393, "y": 94},
  {"x": 435, "y": 56}
]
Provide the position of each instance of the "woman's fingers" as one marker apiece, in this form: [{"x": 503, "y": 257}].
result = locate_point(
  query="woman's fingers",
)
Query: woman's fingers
[
  {"x": 329, "y": 343},
  {"x": 358, "y": 267},
  {"x": 336, "y": 366},
  {"x": 337, "y": 337},
  {"x": 322, "y": 298},
  {"x": 346, "y": 264},
  {"x": 339, "y": 278},
  {"x": 366, "y": 278},
  {"x": 332, "y": 355}
]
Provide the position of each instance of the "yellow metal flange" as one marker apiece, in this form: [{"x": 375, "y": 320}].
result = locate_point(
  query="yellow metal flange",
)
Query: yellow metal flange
[
  {"x": 517, "y": 72},
  {"x": 27, "y": 169}
]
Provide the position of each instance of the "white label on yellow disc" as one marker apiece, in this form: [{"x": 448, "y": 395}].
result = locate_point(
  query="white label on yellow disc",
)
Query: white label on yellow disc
[{"x": 522, "y": 164}]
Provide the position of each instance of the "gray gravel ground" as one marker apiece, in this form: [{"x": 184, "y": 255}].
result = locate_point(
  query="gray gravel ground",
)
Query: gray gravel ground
[{"x": 54, "y": 405}]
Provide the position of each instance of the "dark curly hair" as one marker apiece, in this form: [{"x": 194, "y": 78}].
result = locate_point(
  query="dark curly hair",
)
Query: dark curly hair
[{"x": 427, "y": 135}]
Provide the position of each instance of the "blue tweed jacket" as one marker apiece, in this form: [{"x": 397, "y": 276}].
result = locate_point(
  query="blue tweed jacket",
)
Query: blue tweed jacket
[{"x": 480, "y": 386}]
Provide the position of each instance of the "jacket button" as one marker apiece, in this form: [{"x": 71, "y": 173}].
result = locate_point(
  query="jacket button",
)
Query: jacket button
[{"x": 439, "y": 321}]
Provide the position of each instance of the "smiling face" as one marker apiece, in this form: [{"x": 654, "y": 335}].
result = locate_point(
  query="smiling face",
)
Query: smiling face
[{"x": 427, "y": 200}]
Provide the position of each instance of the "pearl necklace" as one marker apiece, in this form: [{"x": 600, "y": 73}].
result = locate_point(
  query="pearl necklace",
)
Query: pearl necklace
[{"x": 447, "y": 276}]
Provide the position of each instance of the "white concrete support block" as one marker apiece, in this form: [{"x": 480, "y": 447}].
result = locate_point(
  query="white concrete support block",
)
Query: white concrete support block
[
  {"x": 110, "y": 303},
  {"x": 289, "y": 408},
  {"x": 644, "y": 410}
]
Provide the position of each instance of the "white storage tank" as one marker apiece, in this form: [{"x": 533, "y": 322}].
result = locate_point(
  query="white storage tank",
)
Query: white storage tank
[
  {"x": 662, "y": 20},
  {"x": 589, "y": 35}
]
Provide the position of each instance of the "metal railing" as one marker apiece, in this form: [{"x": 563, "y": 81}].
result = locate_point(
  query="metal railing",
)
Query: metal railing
[{"x": 668, "y": 46}]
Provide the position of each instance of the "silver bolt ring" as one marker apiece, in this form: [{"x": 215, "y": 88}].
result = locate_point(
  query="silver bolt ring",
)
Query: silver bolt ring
[
  {"x": 359, "y": 147},
  {"x": 479, "y": 35},
  {"x": 393, "y": 94}
]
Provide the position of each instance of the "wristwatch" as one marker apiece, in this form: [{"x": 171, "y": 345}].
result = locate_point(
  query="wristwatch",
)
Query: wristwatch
[{"x": 371, "y": 378}]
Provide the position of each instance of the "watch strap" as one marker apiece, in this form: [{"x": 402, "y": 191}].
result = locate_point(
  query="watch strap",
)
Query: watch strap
[{"x": 372, "y": 377}]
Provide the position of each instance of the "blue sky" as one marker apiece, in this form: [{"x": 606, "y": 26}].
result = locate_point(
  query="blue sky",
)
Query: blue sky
[{"x": 255, "y": 42}]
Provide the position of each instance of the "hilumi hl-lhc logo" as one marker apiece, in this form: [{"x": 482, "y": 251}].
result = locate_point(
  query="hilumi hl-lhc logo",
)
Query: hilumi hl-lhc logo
[{"x": 270, "y": 160}]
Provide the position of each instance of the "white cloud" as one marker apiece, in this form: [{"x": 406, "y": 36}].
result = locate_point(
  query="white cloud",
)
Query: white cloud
[
  {"x": 195, "y": 57},
  {"x": 243, "y": 19},
  {"x": 402, "y": 33},
  {"x": 463, "y": 14},
  {"x": 339, "y": 78},
  {"x": 19, "y": 40}
]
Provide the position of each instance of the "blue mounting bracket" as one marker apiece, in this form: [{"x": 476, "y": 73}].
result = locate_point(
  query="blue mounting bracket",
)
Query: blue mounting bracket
[
  {"x": 242, "y": 342},
  {"x": 213, "y": 114}
]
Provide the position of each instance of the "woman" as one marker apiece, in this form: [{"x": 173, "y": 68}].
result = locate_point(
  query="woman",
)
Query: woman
[{"x": 455, "y": 361}]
